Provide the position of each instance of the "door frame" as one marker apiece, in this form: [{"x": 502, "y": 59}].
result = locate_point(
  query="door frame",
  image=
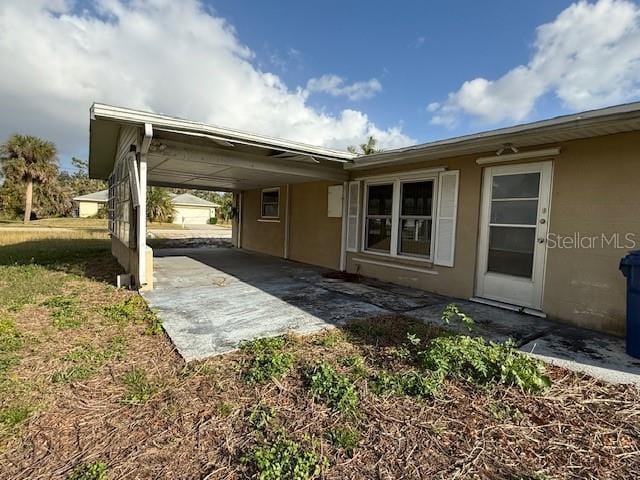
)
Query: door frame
[{"x": 540, "y": 262}]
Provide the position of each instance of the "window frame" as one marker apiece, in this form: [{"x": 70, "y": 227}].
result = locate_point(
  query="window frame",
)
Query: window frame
[
  {"x": 397, "y": 182},
  {"x": 366, "y": 216},
  {"x": 262, "y": 203}
]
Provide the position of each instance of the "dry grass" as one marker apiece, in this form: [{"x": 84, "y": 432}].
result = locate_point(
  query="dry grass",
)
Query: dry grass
[{"x": 195, "y": 421}]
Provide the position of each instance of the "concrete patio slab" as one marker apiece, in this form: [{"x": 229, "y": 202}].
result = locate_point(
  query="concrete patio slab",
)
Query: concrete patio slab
[{"x": 210, "y": 299}]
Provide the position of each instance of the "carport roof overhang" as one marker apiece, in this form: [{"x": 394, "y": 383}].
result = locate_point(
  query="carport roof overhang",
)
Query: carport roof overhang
[{"x": 190, "y": 154}]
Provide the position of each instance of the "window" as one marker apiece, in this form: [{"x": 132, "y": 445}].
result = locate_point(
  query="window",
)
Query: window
[
  {"x": 416, "y": 204},
  {"x": 399, "y": 218},
  {"x": 379, "y": 217},
  {"x": 270, "y": 203}
]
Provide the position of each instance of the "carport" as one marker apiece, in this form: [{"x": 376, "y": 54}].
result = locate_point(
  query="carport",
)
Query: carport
[{"x": 132, "y": 149}]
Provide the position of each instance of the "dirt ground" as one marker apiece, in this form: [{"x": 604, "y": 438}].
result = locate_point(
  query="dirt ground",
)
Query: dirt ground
[{"x": 86, "y": 377}]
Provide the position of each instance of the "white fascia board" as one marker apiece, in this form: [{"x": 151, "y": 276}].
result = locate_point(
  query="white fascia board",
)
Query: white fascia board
[{"x": 108, "y": 112}]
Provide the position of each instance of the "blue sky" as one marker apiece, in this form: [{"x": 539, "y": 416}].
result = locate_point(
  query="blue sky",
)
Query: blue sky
[
  {"x": 326, "y": 73},
  {"x": 420, "y": 51}
]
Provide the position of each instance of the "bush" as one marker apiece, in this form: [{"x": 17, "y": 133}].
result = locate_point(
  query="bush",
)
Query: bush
[
  {"x": 213, "y": 221},
  {"x": 412, "y": 383},
  {"x": 268, "y": 361},
  {"x": 480, "y": 361},
  {"x": 335, "y": 389},
  {"x": 284, "y": 460}
]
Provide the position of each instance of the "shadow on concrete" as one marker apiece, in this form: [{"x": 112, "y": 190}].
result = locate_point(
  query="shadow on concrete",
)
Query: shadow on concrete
[{"x": 212, "y": 298}]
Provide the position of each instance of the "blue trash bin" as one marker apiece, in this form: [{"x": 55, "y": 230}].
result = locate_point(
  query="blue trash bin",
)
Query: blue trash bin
[{"x": 630, "y": 267}]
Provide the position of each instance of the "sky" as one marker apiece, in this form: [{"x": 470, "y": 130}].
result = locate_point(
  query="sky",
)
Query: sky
[{"x": 328, "y": 73}]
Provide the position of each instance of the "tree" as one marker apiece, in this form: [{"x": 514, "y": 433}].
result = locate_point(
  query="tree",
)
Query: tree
[
  {"x": 32, "y": 160},
  {"x": 366, "y": 148},
  {"x": 79, "y": 182},
  {"x": 159, "y": 205}
]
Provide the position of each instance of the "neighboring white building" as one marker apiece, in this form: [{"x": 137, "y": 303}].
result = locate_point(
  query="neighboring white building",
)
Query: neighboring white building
[
  {"x": 88, "y": 205},
  {"x": 189, "y": 209},
  {"x": 192, "y": 210}
]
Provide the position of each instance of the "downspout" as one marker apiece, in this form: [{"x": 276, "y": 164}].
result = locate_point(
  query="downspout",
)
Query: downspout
[
  {"x": 345, "y": 218},
  {"x": 142, "y": 208}
]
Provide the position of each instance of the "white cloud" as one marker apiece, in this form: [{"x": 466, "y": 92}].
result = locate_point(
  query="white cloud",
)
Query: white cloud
[
  {"x": 589, "y": 57},
  {"x": 335, "y": 86},
  {"x": 161, "y": 55}
]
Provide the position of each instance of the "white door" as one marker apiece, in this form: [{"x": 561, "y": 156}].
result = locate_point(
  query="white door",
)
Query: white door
[{"x": 513, "y": 233}]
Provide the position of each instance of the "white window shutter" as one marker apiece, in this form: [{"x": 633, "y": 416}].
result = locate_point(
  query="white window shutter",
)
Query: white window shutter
[
  {"x": 446, "y": 218},
  {"x": 353, "y": 212}
]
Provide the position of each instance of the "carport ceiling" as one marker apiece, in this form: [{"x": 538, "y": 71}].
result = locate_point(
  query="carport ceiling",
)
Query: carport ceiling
[{"x": 189, "y": 154}]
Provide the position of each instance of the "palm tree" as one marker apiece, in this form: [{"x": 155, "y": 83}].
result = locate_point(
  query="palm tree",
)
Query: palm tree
[
  {"x": 367, "y": 148},
  {"x": 33, "y": 160},
  {"x": 159, "y": 205}
]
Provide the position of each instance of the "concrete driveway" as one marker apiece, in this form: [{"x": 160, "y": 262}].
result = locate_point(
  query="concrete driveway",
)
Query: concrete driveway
[{"x": 210, "y": 299}]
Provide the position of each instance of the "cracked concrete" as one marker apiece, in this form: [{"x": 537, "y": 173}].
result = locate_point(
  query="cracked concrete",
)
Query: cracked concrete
[{"x": 210, "y": 299}]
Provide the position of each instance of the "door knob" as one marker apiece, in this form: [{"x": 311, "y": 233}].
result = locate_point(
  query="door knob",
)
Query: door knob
[
  {"x": 542, "y": 221},
  {"x": 541, "y": 240}
]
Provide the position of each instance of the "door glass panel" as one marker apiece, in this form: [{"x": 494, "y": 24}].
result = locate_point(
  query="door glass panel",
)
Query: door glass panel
[
  {"x": 511, "y": 250},
  {"x": 380, "y": 199},
  {"x": 521, "y": 185},
  {"x": 415, "y": 236},
  {"x": 521, "y": 212},
  {"x": 379, "y": 234}
]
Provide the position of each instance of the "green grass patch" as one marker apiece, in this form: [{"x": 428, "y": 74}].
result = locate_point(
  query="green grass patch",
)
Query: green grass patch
[
  {"x": 413, "y": 384},
  {"x": 86, "y": 361},
  {"x": 139, "y": 387},
  {"x": 329, "y": 339},
  {"x": 64, "y": 311},
  {"x": 337, "y": 390},
  {"x": 13, "y": 416},
  {"x": 267, "y": 360},
  {"x": 90, "y": 471},
  {"x": 10, "y": 338},
  {"x": 22, "y": 285},
  {"x": 224, "y": 409},
  {"x": 345, "y": 438},
  {"x": 133, "y": 310},
  {"x": 261, "y": 416},
  {"x": 284, "y": 460}
]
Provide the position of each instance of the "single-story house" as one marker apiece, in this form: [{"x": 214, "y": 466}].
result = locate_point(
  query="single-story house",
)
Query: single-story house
[
  {"x": 189, "y": 209},
  {"x": 533, "y": 217},
  {"x": 192, "y": 210},
  {"x": 85, "y": 206}
]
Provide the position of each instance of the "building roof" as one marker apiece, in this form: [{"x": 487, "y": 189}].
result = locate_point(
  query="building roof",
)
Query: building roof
[
  {"x": 592, "y": 123},
  {"x": 98, "y": 197},
  {"x": 186, "y": 199}
]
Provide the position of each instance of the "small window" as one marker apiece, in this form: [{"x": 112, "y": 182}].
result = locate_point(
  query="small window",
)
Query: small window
[
  {"x": 270, "y": 203},
  {"x": 379, "y": 217}
]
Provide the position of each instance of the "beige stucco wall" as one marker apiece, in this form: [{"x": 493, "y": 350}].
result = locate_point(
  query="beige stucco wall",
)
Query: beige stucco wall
[
  {"x": 264, "y": 236},
  {"x": 594, "y": 192},
  {"x": 87, "y": 209},
  {"x": 314, "y": 237}
]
